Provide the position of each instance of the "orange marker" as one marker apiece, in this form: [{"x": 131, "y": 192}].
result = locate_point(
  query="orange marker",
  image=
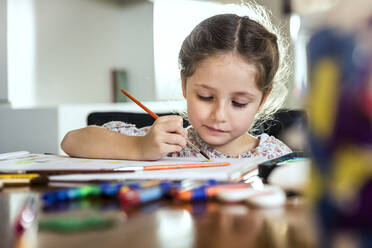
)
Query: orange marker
[
  {"x": 205, "y": 192},
  {"x": 156, "y": 117}
]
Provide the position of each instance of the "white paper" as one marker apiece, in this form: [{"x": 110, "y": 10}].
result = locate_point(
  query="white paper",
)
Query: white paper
[{"x": 231, "y": 172}]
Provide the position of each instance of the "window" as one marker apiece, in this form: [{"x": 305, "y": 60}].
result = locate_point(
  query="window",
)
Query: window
[{"x": 173, "y": 21}]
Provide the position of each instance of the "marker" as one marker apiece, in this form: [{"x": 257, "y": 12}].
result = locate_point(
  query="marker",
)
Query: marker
[
  {"x": 22, "y": 179},
  {"x": 101, "y": 190},
  {"x": 135, "y": 197},
  {"x": 81, "y": 204},
  {"x": 156, "y": 117},
  {"x": 188, "y": 185},
  {"x": 71, "y": 225},
  {"x": 205, "y": 192},
  {"x": 51, "y": 197},
  {"x": 26, "y": 216}
]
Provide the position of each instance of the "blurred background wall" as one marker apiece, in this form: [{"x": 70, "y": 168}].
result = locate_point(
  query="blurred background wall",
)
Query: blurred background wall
[
  {"x": 57, "y": 60},
  {"x": 64, "y": 51}
]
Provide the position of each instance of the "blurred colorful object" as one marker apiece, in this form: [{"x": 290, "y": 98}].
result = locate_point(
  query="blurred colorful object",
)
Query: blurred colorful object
[{"x": 340, "y": 128}]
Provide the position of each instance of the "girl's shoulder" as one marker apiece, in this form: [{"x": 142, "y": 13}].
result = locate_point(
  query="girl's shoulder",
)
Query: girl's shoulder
[
  {"x": 268, "y": 147},
  {"x": 271, "y": 147},
  {"x": 126, "y": 128}
]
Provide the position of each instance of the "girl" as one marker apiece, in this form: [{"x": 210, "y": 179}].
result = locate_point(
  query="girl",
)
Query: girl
[{"x": 228, "y": 63}]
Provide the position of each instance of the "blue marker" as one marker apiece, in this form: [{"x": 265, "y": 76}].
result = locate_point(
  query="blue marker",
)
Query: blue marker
[
  {"x": 101, "y": 190},
  {"x": 135, "y": 197}
]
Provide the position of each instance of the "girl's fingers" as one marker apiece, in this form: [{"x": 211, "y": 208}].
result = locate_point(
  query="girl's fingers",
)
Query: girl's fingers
[
  {"x": 167, "y": 148},
  {"x": 171, "y": 124},
  {"x": 169, "y": 118},
  {"x": 175, "y": 139},
  {"x": 171, "y": 121}
]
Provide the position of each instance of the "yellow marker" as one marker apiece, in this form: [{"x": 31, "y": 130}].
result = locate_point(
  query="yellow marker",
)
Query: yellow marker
[
  {"x": 18, "y": 176},
  {"x": 22, "y": 179}
]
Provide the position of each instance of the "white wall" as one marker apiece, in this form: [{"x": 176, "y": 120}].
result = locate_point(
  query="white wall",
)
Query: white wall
[
  {"x": 76, "y": 45},
  {"x": 3, "y": 52},
  {"x": 34, "y": 130},
  {"x": 41, "y": 129}
]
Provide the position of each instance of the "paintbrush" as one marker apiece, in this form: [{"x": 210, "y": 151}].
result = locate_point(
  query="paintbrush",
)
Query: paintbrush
[{"x": 156, "y": 117}]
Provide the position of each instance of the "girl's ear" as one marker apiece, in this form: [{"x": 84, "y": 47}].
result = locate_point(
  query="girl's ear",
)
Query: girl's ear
[
  {"x": 264, "y": 98},
  {"x": 183, "y": 79}
]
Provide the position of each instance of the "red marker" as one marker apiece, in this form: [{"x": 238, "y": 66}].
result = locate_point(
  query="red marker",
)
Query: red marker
[
  {"x": 205, "y": 192},
  {"x": 132, "y": 197},
  {"x": 26, "y": 217}
]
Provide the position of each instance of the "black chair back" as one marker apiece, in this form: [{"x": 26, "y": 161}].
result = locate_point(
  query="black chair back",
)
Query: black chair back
[{"x": 139, "y": 119}]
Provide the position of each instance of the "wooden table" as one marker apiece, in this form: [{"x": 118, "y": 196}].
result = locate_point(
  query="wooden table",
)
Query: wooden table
[{"x": 165, "y": 224}]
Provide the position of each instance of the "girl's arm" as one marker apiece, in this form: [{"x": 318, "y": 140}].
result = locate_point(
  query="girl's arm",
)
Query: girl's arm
[{"x": 165, "y": 136}]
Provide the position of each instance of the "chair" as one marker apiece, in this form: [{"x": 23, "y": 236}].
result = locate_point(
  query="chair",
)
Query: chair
[
  {"x": 282, "y": 120},
  {"x": 139, "y": 119},
  {"x": 290, "y": 126}
]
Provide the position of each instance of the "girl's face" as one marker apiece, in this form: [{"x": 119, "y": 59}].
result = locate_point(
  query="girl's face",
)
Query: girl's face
[{"x": 222, "y": 100}]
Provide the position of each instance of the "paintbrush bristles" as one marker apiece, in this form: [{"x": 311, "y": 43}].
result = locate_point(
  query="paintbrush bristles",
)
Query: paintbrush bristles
[{"x": 197, "y": 149}]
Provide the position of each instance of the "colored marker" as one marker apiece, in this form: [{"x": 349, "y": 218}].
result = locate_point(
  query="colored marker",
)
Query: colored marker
[
  {"x": 71, "y": 194},
  {"x": 26, "y": 216},
  {"x": 205, "y": 192},
  {"x": 188, "y": 185},
  {"x": 135, "y": 197},
  {"x": 22, "y": 179},
  {"x": 71, "y": 225},
  {"x": 101, "y": 190}
]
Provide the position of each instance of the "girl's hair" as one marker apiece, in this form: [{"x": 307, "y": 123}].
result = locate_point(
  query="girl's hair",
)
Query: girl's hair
[{"x": 244, "y": 36}]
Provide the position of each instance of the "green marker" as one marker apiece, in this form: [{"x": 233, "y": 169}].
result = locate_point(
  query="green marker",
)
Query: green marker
[{"x": 72, "y": 225}]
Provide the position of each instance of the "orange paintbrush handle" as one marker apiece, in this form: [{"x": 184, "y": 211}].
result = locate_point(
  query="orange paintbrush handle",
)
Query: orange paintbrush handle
[
  {"x": 183, "y": 166},
  {"x": 140, "y": 104}
]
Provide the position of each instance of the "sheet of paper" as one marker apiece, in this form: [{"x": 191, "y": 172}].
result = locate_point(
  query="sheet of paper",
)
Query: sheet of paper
[
  {"x": 234, "y": 172},
  {"x": 56, "y": 162},
  {"x": 59, "y": 163},
  {"x": 45, "y": 162}
]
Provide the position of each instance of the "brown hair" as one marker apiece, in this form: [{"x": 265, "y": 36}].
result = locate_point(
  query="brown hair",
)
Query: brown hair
[{"x": 232, "y": 33}]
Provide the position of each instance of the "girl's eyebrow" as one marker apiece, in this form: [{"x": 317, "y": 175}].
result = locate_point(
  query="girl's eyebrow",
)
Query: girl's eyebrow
[
  {"x": 204, "y": 86},
  {"x": 243, "y": 93},
  {"x": 238, "y": 93}
]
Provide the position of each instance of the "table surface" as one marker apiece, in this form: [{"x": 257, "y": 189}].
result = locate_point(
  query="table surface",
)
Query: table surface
[{"x": 163, "y": 224}]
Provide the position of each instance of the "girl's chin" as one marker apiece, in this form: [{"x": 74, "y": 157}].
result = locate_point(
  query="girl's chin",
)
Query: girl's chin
[{"x": 214, "y": 141}]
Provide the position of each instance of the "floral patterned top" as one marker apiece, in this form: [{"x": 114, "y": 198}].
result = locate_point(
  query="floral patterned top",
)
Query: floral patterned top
[{"x": 268, "y": 147}]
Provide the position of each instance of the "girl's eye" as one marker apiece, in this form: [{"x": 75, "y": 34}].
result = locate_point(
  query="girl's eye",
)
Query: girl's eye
[
  {"x": 205, "y": 98},
  {"x": 239, "y": 105}
]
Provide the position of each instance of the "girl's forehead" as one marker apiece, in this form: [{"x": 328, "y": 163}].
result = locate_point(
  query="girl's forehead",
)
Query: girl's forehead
[
  {"x": 228, "y": 71},
  {"x": 226, "y": 58}
]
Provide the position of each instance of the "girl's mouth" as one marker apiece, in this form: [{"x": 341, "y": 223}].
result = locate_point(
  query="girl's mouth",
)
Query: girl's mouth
[{"x": 215, "y": 130}]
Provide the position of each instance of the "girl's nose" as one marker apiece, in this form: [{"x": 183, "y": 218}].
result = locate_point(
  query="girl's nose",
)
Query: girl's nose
[{"x": 218, "y": 113}]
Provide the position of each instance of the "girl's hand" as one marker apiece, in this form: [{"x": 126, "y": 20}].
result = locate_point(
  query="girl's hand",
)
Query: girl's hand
[{"x": 166, "y": 135}]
